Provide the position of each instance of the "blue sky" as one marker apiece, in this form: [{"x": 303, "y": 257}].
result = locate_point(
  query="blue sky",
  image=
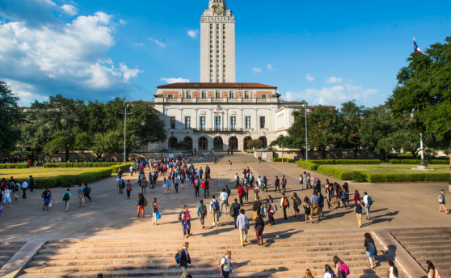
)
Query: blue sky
[{"x": 326, "y": 52}]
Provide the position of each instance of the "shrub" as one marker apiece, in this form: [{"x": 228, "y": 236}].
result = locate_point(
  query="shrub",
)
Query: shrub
[
  {"x": 417, "y": 161},
  {"x": 347, "y": 161},
  {"x": 123, "y": 167},
  {"x": 400, "y": 155},
  {"x": 14, "y": 165},
  {"x": 289, "y": 160},
  {"x": 342, "y": 175},
  {"x": 68, "y": 180},
  {"x": 81, "y": 164},
  {"x": 307, "y": 165},
  {"x": 407, "y": 177}
]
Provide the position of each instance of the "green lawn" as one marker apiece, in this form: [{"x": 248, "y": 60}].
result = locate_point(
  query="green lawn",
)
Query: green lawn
[
  {"x": 19, "y": 174},
  {"x": 389, "y": 168}
]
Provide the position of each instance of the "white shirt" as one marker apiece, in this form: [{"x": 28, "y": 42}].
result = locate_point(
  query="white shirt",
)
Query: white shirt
[
  {"x": 259, "y": 181},
  {"x": 6, "y": 193},
  {"x": 224, "y": 196},
  {"x": 365, "y": 200},
  {"x": 391, "y": 273},
  {"x": 243, "y": 176},
  {"x": 24, "y": 184},
  {"x": 328, "y": 275},
  {"x": 226, "y": 265},
  {"x": 237, "y": 177}
]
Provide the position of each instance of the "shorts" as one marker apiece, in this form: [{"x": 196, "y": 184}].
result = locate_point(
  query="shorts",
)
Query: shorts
[
  {"x": 80, "y": 197},
  {"x": 369, "y": 255},
  {"x": 7, "y": 200},
  {"x": 46, "y": 201}
]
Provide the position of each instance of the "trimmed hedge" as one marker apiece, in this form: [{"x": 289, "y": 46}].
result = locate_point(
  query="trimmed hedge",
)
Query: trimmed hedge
[
  {"x": 67, "y": 180},
  {"x": 289, "y": 160},
  {"x": 407, "y": 177},
  {"x": 123, "y": 167},
  {"x": 81, "y": 164},
  {"x": 14, "y": 166},
  {"x": 307, "y": 165},
  {"x": 417, "y": 161},
  {"x": 346, "y": 161},
  {"x": 343, "y": 175}
]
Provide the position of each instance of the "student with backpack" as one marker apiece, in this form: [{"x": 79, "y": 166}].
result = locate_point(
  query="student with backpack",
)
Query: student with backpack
[
  {"x": 66, "y": 198},
  {"x": 371, "y": 251},
  {"x": 329, "y": 273},
  {"x": 155, "y": 210},
  {"x": 202, "y": 213},
  {"x": 256, "y": 211},
  {"x": 186, "y": 221},
  {"x": 196, "y": 187},
  {"x": 237, "y": 181},
  {"x": 214, "y": 209},
  {"x": 120, "y": 185},
  {"x": 182, "y": 259},
  {"x": 277, "y": 184},
  {"x": 358, "y": 212},
  {"x": 235, "y": 211},
  {"x": 225, "y": 265},
  {"x": 87, "y": 191},
  {"x": 432, "y": 271},
  {"x": 142, "y": 202},
  {"x": 284, "y": 184},
  {"x": 307, "y": 209},
  {"x": 367, "y": 203},
  {"x": 240, "y": 192},
  {"x": 341, "y": 269},
  {"x": 259, "y": 228},
  {"x": 392, "y": 271},
  {"x": 243, "y": 225},
  {"x": 206, "y": 187},
  {"x": 284, "y": 203}
]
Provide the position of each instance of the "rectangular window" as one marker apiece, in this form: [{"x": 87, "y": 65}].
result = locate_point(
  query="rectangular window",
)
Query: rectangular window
[
  {"x": 246, "y": 94},
  {"x": 202, "y": 123},
  {"x": 188, "y": 94},
  {"x": 231, "y": 94},
  {"x": 171, "y": 96},
  {"x": 233, "y": 123},
  {"x": 248, "y": 122},
  {"x": 263, "y": 96},
  {"x": 204, "y": 94},
  {"x": 262, "y": 122},
  {"x": 187, "y": 122},
  {"x": 217, "y": 123},
  {"x": 218, "y": 94},
  {"x": 172, "y": 122}
]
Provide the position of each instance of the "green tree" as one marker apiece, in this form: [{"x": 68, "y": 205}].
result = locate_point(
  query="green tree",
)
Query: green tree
[
  {"x": 10, "y": 117},
  {"x": 284, "y": 142},
  {"x": 145, "y": 123},
  {"x": 423, "y": 93},
  {"x": 255, "y": 144},
  {"x": 377, "y": 124},
  {"x": 352, "y": 115}
]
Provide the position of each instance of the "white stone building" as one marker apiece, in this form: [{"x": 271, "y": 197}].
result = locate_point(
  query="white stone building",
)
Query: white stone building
[{"x": 219, "y": 113}]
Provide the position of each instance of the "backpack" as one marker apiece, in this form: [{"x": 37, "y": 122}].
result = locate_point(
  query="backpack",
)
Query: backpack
[
  {"x": 255, "y": 206},
  {"x": 177, "y": 258},
  {"x": 16, "y": 187},
  {"x": 215, "y": 205},
  {"x": 344, "y": 268},
  {"x": 180, "y": 216},
  {"x": 372, "y": 248},
  {"x": 370, "y": 201},
  {"x": 66, "y": 197},
  {"x": 203, "y": 184},
  {"x": 203, "y": 210},
  {"x": 273, "y": 208},
  {"x": 285, "y": 202},
  {"x": 225, "y": 263},
  {"x": 232, "y": 212}
]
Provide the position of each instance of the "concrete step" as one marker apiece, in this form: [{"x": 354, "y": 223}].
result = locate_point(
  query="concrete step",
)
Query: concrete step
[
  {"x": 428, "y": 231},
  {"x": 431, "y": 254},
  {"x": 425, "y": 238},
  {"x": 11, "y": 246},
  {"x": 426, "y": 244},
  {"x": 123, "y": 271}
]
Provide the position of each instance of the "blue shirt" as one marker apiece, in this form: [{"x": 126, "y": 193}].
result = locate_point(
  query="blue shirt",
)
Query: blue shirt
[
  {"x": 315, "y": 200},
  {"x": 242, "y": 222}
]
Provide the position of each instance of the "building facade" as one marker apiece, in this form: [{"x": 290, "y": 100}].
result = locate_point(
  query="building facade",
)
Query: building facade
[{"x": 219, "y": 113}]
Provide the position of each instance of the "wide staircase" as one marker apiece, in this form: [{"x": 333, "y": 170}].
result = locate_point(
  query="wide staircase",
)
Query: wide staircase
[
  {"x": 222, "y": 157},
  {"x": 284, "y": 255},
  {"x": 9, "y": 249},
  {"x": 428, "y": 244}
]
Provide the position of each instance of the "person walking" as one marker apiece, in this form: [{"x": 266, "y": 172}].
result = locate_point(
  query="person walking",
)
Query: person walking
[
  {"x": 243, "y": 225},
  {"x": 371, "y": 251},
  {"x": 223, "y": 197},
  {"x": 284, "y": 203},
  {"x": 315, "y": 205},
  {"x": 272, "y": 208},
  {"x": 307, "y": 209},
  {"x": 235, "y": 211},
  {"x": 155, "y": 210},
  {"x": 6, "y": 196},
  {"x": 307, "y": 180},
  {"x": 214, "y": 210},
  {"x": 184, "y": 259},
  {"x": 196, "y": 187},
  {"x": 259, "y": 226},
  {"x": 265, "y": 184},
  {"x": 237, "y": 180},
  {"x": 241, "y": 194},
  {"x": 277, "y": 184},
  {"x": 202, "y": 213},
  {"x": 131, "y": 170},
  {"x": 321, "y": 205},
  {"x": 16, "y": 190},
  {"x": 284, "y": 184},
  {"x": 186, "y": 222},
  {"x": 356, "y": 196},
  {"x": 80, "y": 195},
  {"x": 256, "y": 209},
  {"x": 24, "y": 189},
  {"x": 66, "y": 199},
  {"x": 441, "y": 201},
  {"x": 296, "y": 204},
  {"x": 206, "y": 187},
  {"x": 301, "y": 181},
  {"x": 120, "y": 185},
  {"x": 230, "y": 165},
  {"x": 31, "y": 182},
  {"x": 169, "y": 185},
  {"x": 87, "y": 191},
  {"x": 340, "y": 267},
  {"x": 47, "y": 196},
  {"x": 342, "y": 197},
  {"x": 392, "y": 271},
  {"x": 141, "y": 204},
  {"x": 358, "y": 212},
  {"x": 368, "y": 202},
  {"x": 176, "y": 184},
  {"x": 225, "y": 265},
  {"x": 246, "y": 193},
  {"x": 256, "y": 190},
  {"x": 129, "y": 187},
  {"x": 329, "y": 273}
]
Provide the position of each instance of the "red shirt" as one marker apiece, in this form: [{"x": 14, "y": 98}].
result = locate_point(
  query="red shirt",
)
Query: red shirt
[
  {"x": 240, "y": 191},
  {"x": 248, "y": 170}
]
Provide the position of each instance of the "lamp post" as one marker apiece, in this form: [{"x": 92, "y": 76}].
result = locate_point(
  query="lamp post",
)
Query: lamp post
[
  {"x": 449, "y": 187},
  {"x": 306, "y": 134},
  {"x": 125, "y": 132}
]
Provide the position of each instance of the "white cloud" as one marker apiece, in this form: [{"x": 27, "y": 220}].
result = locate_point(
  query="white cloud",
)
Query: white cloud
[
  {"x": 160, "y": 44},
  {"x": 129, "y": 73},
  {"x": 23, "y": 91},
  {"x": 48, "y": 2},
  {"x": 193, "y": 33},
  {"x": 138, "y": 44},
  {"x": 71, "y": 58},
  {"x": 257, "y": 70},
  {"x": 335, "y": 95},
  {"x": 69, "y": 9},
  {"x": 350, "y": 80},
  {"x": 309, "y": 77},
  {"x": 271, "y": 68},
  {"x": 175, "y": 80},
  {"x": 122, "y": 22},
  {"x": 334, "y": 80}
]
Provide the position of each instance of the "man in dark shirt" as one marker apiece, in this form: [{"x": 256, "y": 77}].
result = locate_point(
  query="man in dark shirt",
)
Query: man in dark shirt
[
  {"x": 277, "y": 184},
  {"x": 236, "y": 208},
  {"x": 184, "y": 259},
  {"x": 47, "y": 196}
]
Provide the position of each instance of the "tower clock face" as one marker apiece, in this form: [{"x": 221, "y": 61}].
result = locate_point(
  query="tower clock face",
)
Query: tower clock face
[{"x": 217, "y": 10}]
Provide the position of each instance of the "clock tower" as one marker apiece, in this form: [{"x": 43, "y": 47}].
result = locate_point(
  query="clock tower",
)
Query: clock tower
[{"x": 217, "y": 44}]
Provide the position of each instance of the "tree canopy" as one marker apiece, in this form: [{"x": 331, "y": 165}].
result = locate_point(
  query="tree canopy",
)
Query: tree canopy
[{"x": 10, "y": 117}]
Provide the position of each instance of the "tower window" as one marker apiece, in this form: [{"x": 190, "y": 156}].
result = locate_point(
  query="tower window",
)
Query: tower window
[
  {"x": 218, "y": 94},
  {"x": 188, "y": 94},
  {"x": 231, "y": 94},
  {"x": 246, "y": 94},
  {"x": 204, "y": 94}
]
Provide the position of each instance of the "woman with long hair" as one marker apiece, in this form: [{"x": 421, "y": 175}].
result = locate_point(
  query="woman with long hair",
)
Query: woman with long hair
[
  {"x": 329, "y": 273},
  {"x": 307, "y": 209},
  {"x": 432, "y": 271},
  {"x": 259, "y": 228},
  {"x": 155, "y": 210},
  {"x": 392, "y": 271},
  {"x": 371, "y": 251},
  {"x": 442, "y": 202},
  {"x": 308, "y": 274}
]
